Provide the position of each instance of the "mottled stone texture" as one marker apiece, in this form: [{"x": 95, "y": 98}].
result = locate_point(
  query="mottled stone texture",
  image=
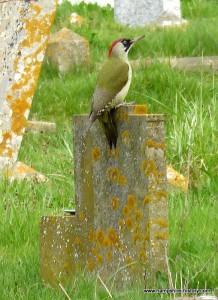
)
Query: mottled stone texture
[
  {"x": 24, "y": 30},
  {"x": 67, "y": 49},
  {"x": 56, "y": 248},
  {"x": 121, "y": 198},
  {"x": 143, "y": 12}
]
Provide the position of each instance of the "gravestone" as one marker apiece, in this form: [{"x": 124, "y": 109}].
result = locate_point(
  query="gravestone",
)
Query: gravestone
[
  {"x": 24, "y": 31},
  {"x": 121, "y": 230},
  {"x": 144, "y": 12},
  {"x": 120, "y": 227}
]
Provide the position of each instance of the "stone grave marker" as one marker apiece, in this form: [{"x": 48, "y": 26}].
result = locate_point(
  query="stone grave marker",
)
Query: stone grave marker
[{"x": 24, "y": 31}]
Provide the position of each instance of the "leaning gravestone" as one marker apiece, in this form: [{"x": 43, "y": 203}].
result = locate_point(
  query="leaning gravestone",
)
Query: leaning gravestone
[
  {"x": 24, "y": 31},
  {"x": 144, "y": 12}
]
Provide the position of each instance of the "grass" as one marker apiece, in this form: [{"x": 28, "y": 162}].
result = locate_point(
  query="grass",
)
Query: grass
[{"x": 189, "y": 102}]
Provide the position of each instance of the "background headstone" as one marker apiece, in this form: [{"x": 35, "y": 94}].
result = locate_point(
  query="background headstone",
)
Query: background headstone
[
  {"x": 67, "y": 49},
  {"x": 144, "y": 12},
  {"x": 24, "y": 31}
]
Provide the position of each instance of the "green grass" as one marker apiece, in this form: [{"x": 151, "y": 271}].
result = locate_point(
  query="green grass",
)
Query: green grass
[{"x": 189, "y": 102}]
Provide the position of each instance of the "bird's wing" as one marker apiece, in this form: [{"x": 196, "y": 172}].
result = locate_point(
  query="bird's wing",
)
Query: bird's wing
[{"x": 109, "y": 84}]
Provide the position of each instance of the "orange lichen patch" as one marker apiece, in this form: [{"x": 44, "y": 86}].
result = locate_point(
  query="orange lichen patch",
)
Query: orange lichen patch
[
  {"x": 140, "y": 110},
  {"x": 109, "y": 255},
  {"x": 137, "y": 237},
  {"x": 126, "y": 116},
  {"x": 107, "y": 242},
  {"x": 91, "y": 265},
  {"x": 176, "y": 179},
  {"x": 77, "y": 240},
  {"x": 142, "y": 255},
  {"x": 122, "y": 180},
  {"x": 126, "y": 210},
  {"x": 114, "y": 203},
  {"x": 152, "y": 144},
  {"x": 161, "y": 236},
  {"x": 96, "y": 153},
  {"x": 99, "y": 259},
  {"x": 91, "y": 236},
  {"x": 113, "y": 153},
  {"x": 121, "y": 222},
  {"x": 131, "y": 201},
  {"x": 138, "y": 214},
  {"x": 4, "y": 149},
  {"x": 148, "y": 227},
  {"x": 113, "y": 236},
  {"x": 18, "y": 123},
  {"x": 161, "y": 194},
  {"x": 129, "y": 223},
  {"x": 25, "y": 169},
  {"x": 37, "y": 8},
  {"x": 148, "y": 167},
  {"x": 125, "y": 137},
  {"x": 9, "y": 97},
  {"x": 82, "y": 216},
  {"x": 162, "y": 223},
  {"x": 100, "y": 236},
  {"x": 147, "y": 199},
  {"x": 113, "y": 174}
]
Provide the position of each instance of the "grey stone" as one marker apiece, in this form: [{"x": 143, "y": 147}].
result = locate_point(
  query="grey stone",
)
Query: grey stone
[
  {"x": 66, "y": 50},
  {"x": 143, "y": 12}
]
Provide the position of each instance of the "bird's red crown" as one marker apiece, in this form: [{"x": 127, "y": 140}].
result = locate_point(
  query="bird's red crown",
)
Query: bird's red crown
[{"x": 112, "y": 46}]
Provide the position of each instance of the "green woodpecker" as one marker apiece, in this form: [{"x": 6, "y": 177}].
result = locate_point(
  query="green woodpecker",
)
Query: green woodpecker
[{"x": 112, "y": 86}]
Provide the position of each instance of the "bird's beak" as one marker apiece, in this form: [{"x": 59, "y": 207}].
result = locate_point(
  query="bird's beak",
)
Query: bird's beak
[{"x": 137, "y": 39}]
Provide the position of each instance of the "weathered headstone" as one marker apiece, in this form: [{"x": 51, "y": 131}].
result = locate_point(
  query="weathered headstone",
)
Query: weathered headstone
[
  {"x": 121, "y": 198},
  {"x": 67, "y": 49},
  {"x": 144, "y": 12},
  {"x": 24, "y": 31}
]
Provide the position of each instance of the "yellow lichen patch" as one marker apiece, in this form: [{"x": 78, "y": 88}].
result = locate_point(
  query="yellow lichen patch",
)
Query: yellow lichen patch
[
  {"x": 162, "y": 223},
  {"x": 122, "y": 180},
  {"x": 125, "y": 137},
  {"x": 128, "y": 260},
  {"x": 129, "y": 223},
  {"x": 140, "y": 110},
  {"x": 107, "y": 242},
  {"x": 99, "y": 259},
  {"x": 91, "y": 265},
  {"x": 109, "y": 255},
  {"x": 18, "y": 123},
  {"x": 137, "y": 229},
  {"x": 137, "y": 237},
  {"x": 161, "y": 194},
  {"x": 113, "y": 236},
  {"x": 147, "y": 199},
  {"x": 82, "y": 216},
  {"x": 91, "y": 236},
  {"x": 148, "y": 167},
  {"x": 126, "y": 210},
  {"x": 131, "y": 201},
  {"x": 96, "y": 153},
  {"x": 113, "y": 174},
  {"x": 125, "y": 116},
  {"x": 138, "y": 214},
  {"x": 114, "y": 203},
  {"x": 37, "y": 8},
  {"x": 142, "y": 255},
  {"x": 77, "y": 240},
  {"x": 113, "y": 153},
  {"x": 152, "y": 144},
  {"x": 121, "y": 222},
  {"x": 146, "y": 237},
  {"x": 100, "y": 236},
  {"x": 162, "y": 236}
]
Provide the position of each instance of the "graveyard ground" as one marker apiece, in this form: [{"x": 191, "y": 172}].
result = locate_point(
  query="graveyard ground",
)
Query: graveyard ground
[{"x": 189, "y": 102}]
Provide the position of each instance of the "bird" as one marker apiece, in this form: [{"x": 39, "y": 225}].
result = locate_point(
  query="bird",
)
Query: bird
[{"x": 112, "y": 86}]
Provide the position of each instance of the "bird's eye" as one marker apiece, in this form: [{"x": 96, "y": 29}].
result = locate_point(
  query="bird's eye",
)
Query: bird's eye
[{"x": 124, "y": 42}]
